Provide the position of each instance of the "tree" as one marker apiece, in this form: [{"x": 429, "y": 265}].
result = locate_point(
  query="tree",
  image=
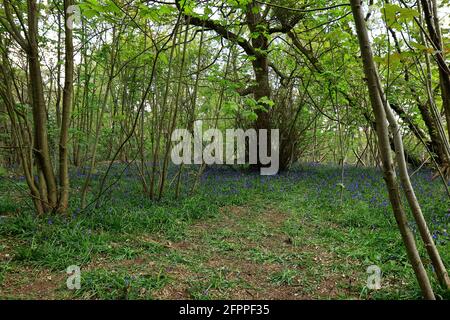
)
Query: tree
[
  {"x": 51, "y": 196},
  {"x": 261, "y": 22},
  {"x": 378, "y": 107}
]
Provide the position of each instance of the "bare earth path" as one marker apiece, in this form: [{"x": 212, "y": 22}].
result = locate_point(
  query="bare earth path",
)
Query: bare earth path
[
  {"x": 243, "y": 253},
  {"x": 250, "y": 255}
]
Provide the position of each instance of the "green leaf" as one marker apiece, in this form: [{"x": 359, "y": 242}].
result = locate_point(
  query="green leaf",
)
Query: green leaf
[
  {"x": 250, "y": 115},
  {"x": 230, "y": 107},
  {"x": 266, "y": 102}
]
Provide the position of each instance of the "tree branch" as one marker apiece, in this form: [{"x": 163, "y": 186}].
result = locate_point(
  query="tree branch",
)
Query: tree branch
[
  {"x": 219, "y": 29},
  {"x": 10, "y": 26},
  {"x": 246, "y": 91},
  {"x": 305, "y": 51}
]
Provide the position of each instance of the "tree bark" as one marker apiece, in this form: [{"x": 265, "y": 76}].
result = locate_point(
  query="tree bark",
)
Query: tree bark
[
  {"x": 41, "y": 147},
  {"x": 66, "y": 110},
  {"x": 383, "y": 140},
  {"x": 432, "y": 22}
]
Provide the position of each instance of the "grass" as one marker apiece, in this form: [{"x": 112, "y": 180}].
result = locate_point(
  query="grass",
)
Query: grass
[
  {"x": 119, "y": 285},
  {"x": 240, "y": 236}
]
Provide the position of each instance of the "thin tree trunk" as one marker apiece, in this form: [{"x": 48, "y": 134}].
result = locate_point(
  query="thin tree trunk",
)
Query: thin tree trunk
[
  {"x": 384, "y": 146},
  {"x": 41, "y": 148},
  {"x": 66, "y": 110},
  {"x": 432, "y": 22}
]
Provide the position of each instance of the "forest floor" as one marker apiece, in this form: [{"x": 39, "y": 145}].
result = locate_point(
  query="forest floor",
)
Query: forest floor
[{"x": 241, "y": 236}]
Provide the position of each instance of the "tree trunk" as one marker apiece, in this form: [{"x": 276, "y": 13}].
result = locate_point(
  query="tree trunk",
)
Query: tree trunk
[
  {"x": 260, "y": 66},
  {"x": 41, "y": 148},
  {"x": 66, "y": 110},
  {"x": 432, "y": 22},
  {"x": 385, "y": 150}
]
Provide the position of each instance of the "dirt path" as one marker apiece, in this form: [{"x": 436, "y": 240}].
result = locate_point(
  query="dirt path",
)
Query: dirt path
[
  {"x": 243, "y": 253},
  {"x": 250, "y": 255}
]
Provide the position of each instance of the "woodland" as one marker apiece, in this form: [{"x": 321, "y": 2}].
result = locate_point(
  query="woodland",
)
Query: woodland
[{"x": 91, "y": 92}]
